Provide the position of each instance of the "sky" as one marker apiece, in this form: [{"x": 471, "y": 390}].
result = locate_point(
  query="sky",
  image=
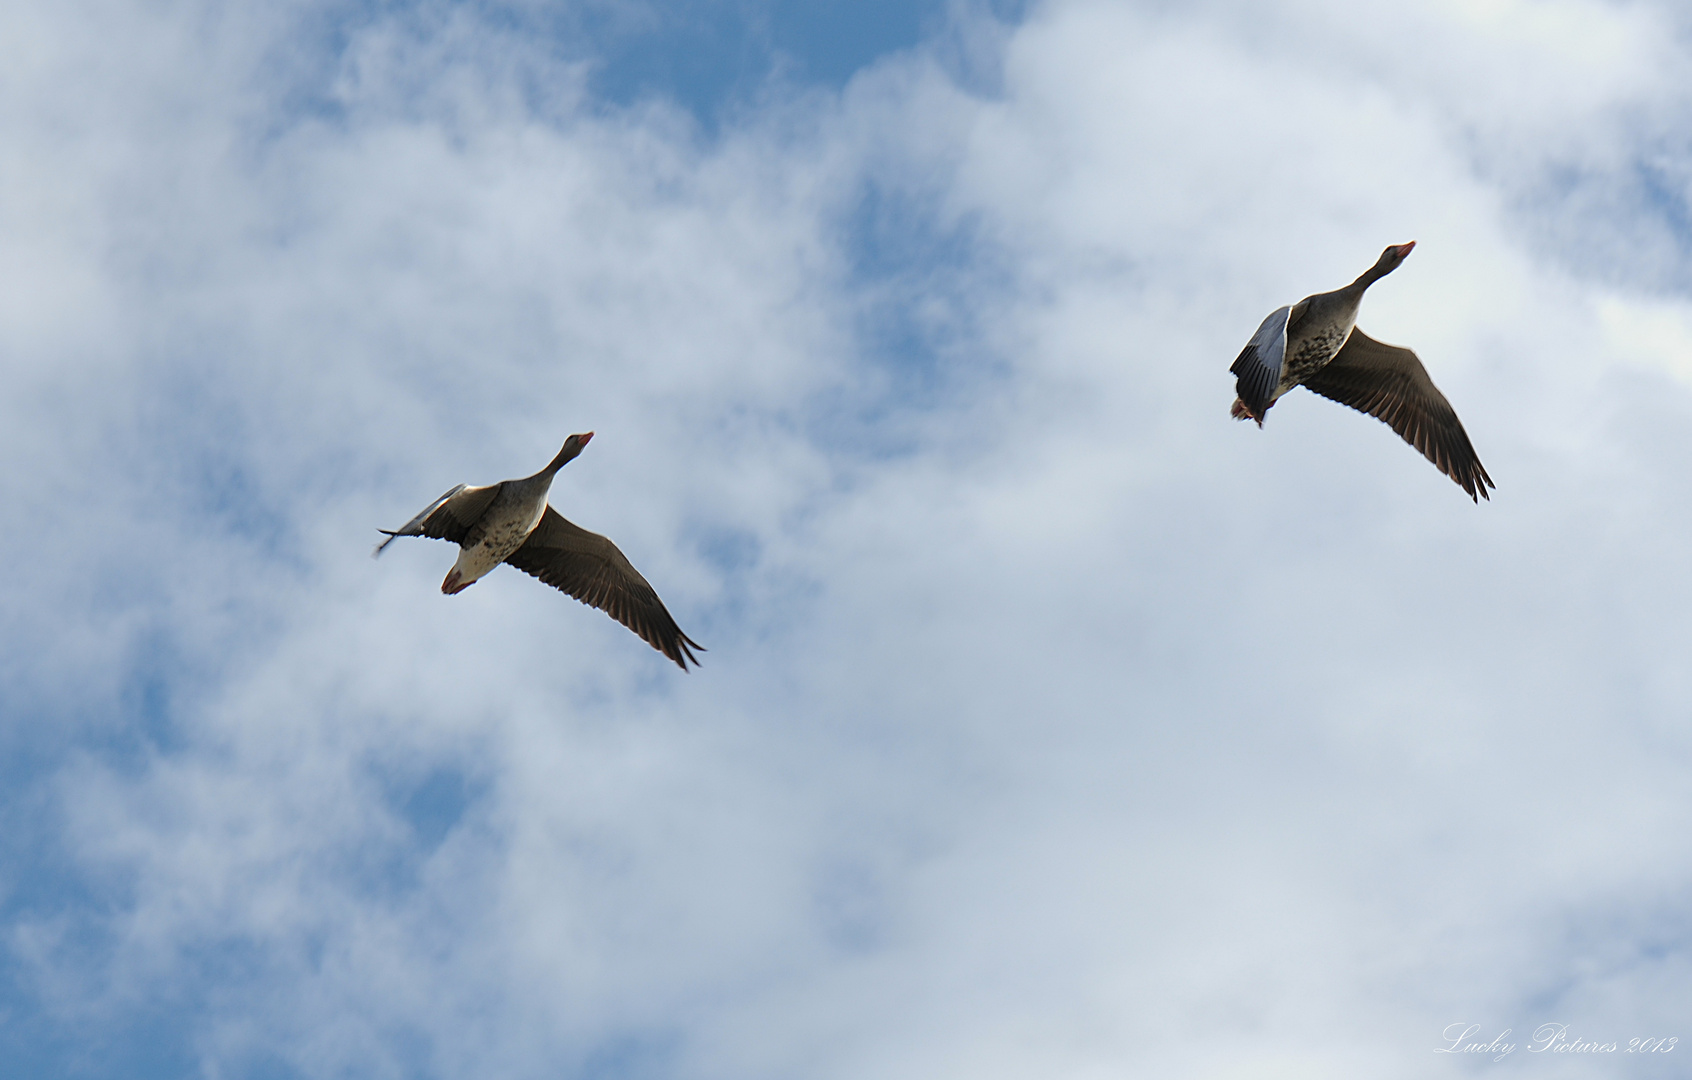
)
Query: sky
[{"x": 1052, "y": 723}]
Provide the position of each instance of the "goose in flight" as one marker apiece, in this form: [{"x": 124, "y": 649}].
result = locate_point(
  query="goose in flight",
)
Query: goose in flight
[
  {"x": 511, "y": 522},
  {"x": 1316, "y": 343}
]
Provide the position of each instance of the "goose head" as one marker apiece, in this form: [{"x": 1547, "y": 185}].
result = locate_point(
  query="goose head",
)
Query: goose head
[
  {"x": 1386, "y": 264},
  {"x": 1392, "y": 257},
  {"x": 572, "y": 447}
]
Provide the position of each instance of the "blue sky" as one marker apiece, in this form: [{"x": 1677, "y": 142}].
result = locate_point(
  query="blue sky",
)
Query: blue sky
[
  {"x": 1052, "y": 723},
  {"x": 709, "y": 55}
]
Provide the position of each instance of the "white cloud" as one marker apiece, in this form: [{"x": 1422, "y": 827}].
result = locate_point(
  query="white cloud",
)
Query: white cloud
[{"x": 1052, "y": 724}]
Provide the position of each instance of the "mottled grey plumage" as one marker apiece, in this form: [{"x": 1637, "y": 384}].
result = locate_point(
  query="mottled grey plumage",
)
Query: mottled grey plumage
[
  {"x": 1315, "y": 343},
  {"x": 510, "y": 522}
]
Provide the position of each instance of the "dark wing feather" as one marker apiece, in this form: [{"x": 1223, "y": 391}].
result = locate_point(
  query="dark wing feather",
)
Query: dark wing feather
[
  {"x": 1295, "y": 317},
  {"x": 1258, "y": 367},
  {"x": 449, "y": 517},
  {"x": 590, "y": 568},
  {"x": 1389, "y": 383}
]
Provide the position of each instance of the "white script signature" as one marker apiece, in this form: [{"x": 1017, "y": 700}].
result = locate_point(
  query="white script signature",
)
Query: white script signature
[{"x": 1552, "y": 1038}]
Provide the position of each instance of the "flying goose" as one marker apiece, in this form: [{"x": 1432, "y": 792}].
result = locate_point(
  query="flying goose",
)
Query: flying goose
[
  {"x": 511, "y": 522},
  {"x": 1316, "y": 343}
]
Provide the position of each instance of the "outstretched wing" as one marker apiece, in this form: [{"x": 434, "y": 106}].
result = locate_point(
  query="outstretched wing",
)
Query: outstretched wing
[
  {"x": 590, "y": 568},
  {"x": 1389, "y": 383},
  {"x": 1259, "y": 365},
  {"x": 448, "y": 517}
]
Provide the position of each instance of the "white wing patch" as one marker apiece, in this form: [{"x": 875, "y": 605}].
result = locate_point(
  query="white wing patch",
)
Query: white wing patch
[{"x": 414, "y": 527}]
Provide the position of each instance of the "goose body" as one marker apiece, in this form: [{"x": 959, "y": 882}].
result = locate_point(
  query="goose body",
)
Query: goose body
[
  {"x": 512, "y": 514},
  {"x": 511, "y": 522},
  {"x": 1315, "y": 343}
]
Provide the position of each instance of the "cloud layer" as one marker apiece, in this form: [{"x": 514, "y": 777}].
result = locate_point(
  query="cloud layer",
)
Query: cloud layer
[{"x": 1053, "y": 724}]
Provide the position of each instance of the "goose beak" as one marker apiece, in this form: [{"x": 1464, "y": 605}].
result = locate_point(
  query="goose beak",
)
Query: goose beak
[{"x": 1404, "y": 249}]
